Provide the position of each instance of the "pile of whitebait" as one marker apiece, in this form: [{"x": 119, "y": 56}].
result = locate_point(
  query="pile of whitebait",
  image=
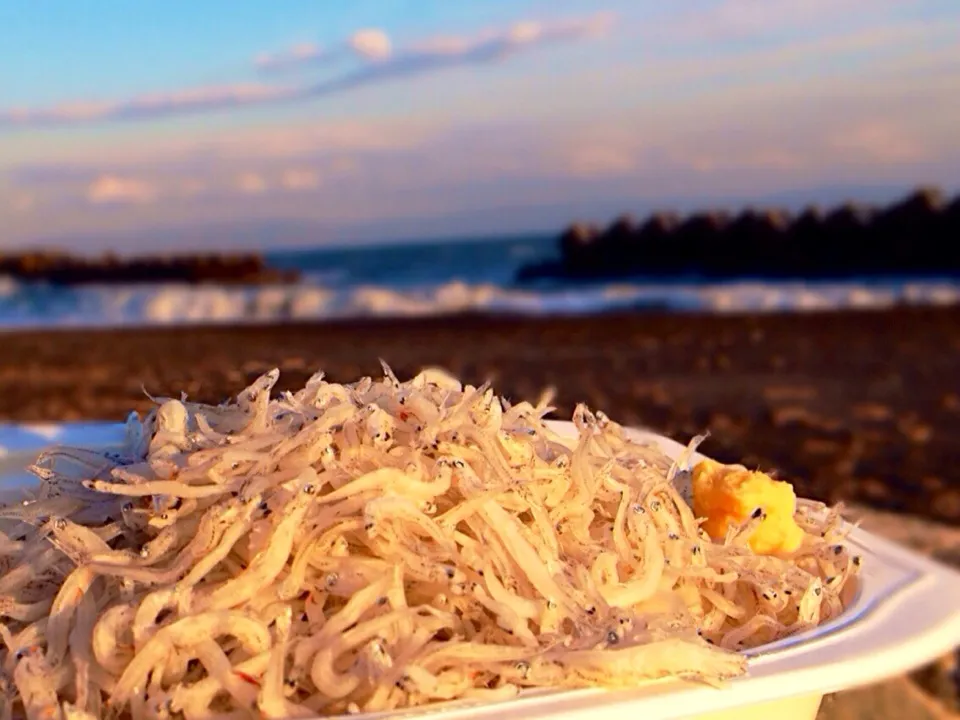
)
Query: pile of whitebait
[{"x": 379, "y": 545}]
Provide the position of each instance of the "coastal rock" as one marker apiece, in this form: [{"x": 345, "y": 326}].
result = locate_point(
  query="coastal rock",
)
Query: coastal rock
[
  {"x": 658, "y": 227},
  {"x": 618, "y": 239},
  {"x": 577, "y": 238},
  {"x": 952, "y": 214},
  {"x": 755, "y": 239},
  {"x": 681, "y": 242}
]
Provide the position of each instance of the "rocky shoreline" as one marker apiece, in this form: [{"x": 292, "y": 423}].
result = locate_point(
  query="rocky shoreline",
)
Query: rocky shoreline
[
  {"x": 59, "y": 268},
  {"x": 915, "y": 236}
]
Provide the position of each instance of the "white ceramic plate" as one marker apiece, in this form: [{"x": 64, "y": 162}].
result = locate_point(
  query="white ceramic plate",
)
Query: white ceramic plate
[{"x": 906, "y": 613}]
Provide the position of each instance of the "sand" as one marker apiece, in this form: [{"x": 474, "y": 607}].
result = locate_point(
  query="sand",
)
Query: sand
[{"x": 856, "y": 406}]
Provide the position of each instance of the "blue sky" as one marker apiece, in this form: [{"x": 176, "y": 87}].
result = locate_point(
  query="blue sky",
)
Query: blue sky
[{"x": 117, "y": 118}]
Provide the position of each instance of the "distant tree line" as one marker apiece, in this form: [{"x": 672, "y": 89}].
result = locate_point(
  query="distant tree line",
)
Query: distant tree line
[{"x": 918, "y": 235}]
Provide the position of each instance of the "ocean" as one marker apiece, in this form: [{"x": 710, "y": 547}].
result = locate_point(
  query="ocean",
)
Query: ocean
[{"x": 433, "y": 278}]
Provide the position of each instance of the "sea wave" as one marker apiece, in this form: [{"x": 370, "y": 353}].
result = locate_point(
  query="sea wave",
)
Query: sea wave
[{"x": 23, "y": 305}]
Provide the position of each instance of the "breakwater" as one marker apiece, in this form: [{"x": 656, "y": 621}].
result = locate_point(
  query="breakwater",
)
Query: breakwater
[
  {"x": 918, "y": 235},
  {"x": 60, "y": 268}
]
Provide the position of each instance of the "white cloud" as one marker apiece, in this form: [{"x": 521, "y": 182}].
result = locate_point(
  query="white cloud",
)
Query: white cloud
[
  {"x": 293, "y": 142},
  {"x": 300, "y": 179},
  {"x": 251, "y": 183},
  {"x": 150, "y": 105},
  {"x": 111, "y": 189},
  {"x": 368, "y": 44},
  {"x": 371, "y": 44},
  {"x": 379, "y": 62},
  {"x": 214, "y": 161},
  {"x": 734, "y": 19},
  {"x": 295, "y": 55},
  {"x": 524, "y": 32},
  {"x": 23, "y": 202},
  {"x": 442, "y": 45},
  {"x": 879, "y": 141},
  {"x": 597, "y": 158},
  {"x": 747, "y": 158}
]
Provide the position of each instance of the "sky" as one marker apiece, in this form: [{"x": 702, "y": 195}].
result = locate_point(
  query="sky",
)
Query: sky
[{"x": 389, "y": 119}]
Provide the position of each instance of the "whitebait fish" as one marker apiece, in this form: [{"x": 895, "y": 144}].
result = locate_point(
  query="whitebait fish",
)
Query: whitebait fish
[{"x": 377, "y": 546}]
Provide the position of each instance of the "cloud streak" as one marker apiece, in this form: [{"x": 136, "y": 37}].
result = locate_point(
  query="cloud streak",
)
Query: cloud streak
[
  {"x": 379, "y": 63},
  {"x": 251, "y": 183},
  {"x": 300, "y": 179},
  {"x": 368, "y": 44},
  {"x": 740, "y": 19},
  {"x": 114, "y": 190},
  {"x": 292, "y": 57},
  {"x": 149, "y": 106}
]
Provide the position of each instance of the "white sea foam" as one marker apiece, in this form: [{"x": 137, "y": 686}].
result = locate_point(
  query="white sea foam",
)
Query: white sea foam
[{"x": 43, "y": 306}]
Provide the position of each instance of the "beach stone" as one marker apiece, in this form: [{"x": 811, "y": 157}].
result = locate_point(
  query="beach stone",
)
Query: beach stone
[{"x": 898, "y": 699}]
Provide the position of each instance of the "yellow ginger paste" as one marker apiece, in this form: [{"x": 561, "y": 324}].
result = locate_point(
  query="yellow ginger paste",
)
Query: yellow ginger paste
[{"x": 727, "y": 495}]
